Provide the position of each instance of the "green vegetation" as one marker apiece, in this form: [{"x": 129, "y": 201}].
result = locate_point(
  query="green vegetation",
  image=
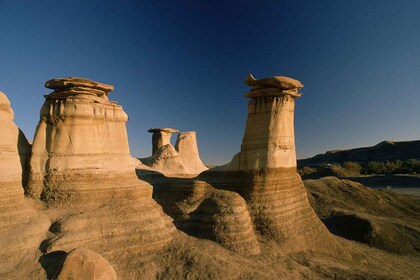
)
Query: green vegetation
[{"x": 352, "y": 169}]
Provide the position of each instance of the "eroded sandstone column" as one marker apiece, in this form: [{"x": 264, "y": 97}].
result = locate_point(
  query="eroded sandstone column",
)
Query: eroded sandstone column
[
  {"x": 264, "y": 171},
  {"x": 81, "y": 161},
  {"x": 80, "y": 133},
  {"x": 269, "y": 140},
  {"x": 161, "y": 137},
  {"x": 187, "y": 147},
  {"x": 183, "y": 159}
]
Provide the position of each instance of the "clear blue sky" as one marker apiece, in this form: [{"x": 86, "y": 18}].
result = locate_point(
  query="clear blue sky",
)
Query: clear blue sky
[{"x": 181, "y": 64}]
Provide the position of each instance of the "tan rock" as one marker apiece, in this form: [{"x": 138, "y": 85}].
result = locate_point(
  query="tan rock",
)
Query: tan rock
[
  {"x": 224, "y": 218},
  {"x": 168, "y": 161},
  {"x": 22, "y": 228},
  {"x": 264, "y": 172},
  {"x": 77, "y": 134},
  {"x": 187, "y": 147},
  {"x": 184, "y": 159},
  {"x": 81, "y": 163},
  {"x": 161, "y": 137},
  {"x": 86, "y": 264},
  {"x": 72, "y": 82},
  {"x": 281, "y": 82},
  {"x": 269, "y": 140},
  {"x": 205, "y": 212}
]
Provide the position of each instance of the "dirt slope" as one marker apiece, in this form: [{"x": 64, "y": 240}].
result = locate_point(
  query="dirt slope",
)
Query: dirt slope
[{"x": 379, "y": 218}]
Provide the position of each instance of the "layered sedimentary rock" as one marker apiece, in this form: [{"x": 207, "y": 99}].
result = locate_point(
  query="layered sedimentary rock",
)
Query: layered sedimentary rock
[
  {"x": 205, "y": 212},
  {"x": 264, "y": 172},
  {"x": 186, "y": 146},
  {"x": 81, "y": 133},
  {"x": 269, "y": 140},
  {"x": 183, "y": 159},
  {"x": 22, "y": 229},
  {"x": 81, "y": 161}
]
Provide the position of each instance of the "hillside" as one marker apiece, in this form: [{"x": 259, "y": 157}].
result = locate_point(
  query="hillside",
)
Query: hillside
[{"x": 383, "y": 151}]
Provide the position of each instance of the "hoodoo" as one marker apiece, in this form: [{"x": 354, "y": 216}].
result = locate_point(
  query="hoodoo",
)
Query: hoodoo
[
  {"x": 161, "y": 137},
  {"x": 80, "y": 133},
  {"x": 264, "y": 172},
  {"x": 269, "y": 140},
  {"x": 22, "y": 229},
  {"x": 183, "y": 159},
  {"x": 186, "y": 146},
  {"x": 81, "y": 162}
]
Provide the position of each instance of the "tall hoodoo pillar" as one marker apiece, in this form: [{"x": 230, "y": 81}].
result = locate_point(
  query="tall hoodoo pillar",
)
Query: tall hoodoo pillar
[
  {"x": 161, "y": 137},
  {"x": 264, "y": 171},
  {"x": 269, "y": 140}
]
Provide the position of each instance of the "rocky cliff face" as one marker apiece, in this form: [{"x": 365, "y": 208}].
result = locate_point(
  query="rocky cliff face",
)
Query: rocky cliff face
[{"x": 22, "y": 228}]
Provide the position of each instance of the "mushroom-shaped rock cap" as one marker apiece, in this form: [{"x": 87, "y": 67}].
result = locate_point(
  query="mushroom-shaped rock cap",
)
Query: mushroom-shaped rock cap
[
  {"x": 164, "y": 129},
  {"x": 64, "y": 83},
  {"x": 281, "y": 82}
]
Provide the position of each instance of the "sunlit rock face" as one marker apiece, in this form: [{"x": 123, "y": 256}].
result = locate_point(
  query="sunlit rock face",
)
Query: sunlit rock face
[
  {"x": 80, "y": 132},
  {"x": 22, "y": 229},
  {"x": 85, "y": 264},
  {"x": 161, "y": 137},
  {"x": 10, "y": 165},
  {"x": 187, "y": 147},
  {"x": 205, "y": 212},
  {"x": 269, "y": 140},
  {"x": 81, "y": 162},
  {"x": 183, "y": 159},
  {"x": 264, "y": 171}
]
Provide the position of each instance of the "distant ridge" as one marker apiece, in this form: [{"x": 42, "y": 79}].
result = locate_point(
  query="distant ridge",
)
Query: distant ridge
[{"x": 384, "y": 151}]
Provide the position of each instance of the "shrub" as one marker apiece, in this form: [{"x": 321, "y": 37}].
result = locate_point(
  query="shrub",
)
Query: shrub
[
  {"x": 338, "y": 171},
  {"x": 394, "y": 167},
  {"x": 375, "y": 167},
  {"x": 411, "y": 166},
  {"x": 352, "y": 168}
]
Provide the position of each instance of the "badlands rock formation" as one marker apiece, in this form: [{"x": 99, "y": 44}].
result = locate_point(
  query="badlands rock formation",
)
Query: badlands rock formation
[
  {"x": 249, "y": 227},
  {"x": 81, "y": 163},
  {"x": 80, "y": 133},
  {"x": 165, "y": 158},
  {"x": 183, "y": 159},
  {"x": 186, "y": 146},
  {"x": 22, "y": 229},
  {"x": 205, "y": 212},
  {"x": 259, "y": 191},
  {"x": 264, "y": 172},
  {"x": 161, "y": 137}
]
